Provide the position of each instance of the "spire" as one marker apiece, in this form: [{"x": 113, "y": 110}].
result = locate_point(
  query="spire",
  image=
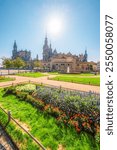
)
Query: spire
[
  {"x": 15, "y": 46},
  {"x": 45, "y": 46},
  {"x": 85, "y": 55},
  {"x": 15, "y": 42},
  {"x": 14, "y": 51},
  {"x": 46, "y": 40},
  {"x": 50, "y": 45},
  {"x": 37, "y": 57},
  {"x": 86, "y": 50}
]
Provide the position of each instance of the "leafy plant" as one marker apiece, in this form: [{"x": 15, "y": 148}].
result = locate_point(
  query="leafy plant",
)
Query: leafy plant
[{"x": 26, "y": 88}]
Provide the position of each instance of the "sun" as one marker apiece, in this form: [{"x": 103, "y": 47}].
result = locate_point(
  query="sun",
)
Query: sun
[{"x": 55, "y": 25}]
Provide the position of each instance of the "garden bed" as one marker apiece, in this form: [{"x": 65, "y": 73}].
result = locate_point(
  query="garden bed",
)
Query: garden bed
[{"x": 76, "y": 113}]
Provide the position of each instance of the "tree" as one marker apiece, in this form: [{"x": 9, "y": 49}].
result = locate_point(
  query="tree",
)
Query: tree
[
  {"x": 37, "y": 64},
  {"x": 18, "y": 63},
  {"x": 7, "y": 63}
]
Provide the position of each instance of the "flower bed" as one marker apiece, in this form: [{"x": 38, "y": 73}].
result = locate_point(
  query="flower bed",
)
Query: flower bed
[{"x": 77, "y": 109}]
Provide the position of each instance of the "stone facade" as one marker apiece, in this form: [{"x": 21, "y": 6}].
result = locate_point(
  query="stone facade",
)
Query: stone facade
[
  {"x": 63, "y": 63},
  {"x": 69, "y": 64},
  {"x": 23, "y": 54},
  {"x": 47, "y": 51},
  {"x": 66, "y": 63}
]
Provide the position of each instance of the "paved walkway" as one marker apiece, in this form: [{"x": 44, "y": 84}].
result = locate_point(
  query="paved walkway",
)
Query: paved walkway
[{"x": 44, "y": 80}]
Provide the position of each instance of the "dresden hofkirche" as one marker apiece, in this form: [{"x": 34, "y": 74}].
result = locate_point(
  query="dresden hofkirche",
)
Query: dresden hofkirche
[
  {"x": 23, "y": 54},
  {"x": 67, "y": 63}
]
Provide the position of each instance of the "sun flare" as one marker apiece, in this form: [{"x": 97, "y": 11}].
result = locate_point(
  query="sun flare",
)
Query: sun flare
[{"x": 55, "y": 25}]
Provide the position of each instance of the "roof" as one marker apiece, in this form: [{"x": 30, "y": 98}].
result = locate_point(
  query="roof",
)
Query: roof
[{"x": 62, "y": 58}]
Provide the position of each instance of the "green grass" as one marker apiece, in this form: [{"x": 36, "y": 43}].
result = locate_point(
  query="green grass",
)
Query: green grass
[
  {"x": 80, "y": 74},
  {"x": 53, "y": 73},
  {"x": 22, "y": 140},
  {"x": 5, "y": 79},
  {"x": 79, "y": 79},
  {"x": 73, "y": 74},
  {"x": 43, "y": 127},
  {"x": 31, "y": 74},
  {"x": 86, "y": 74}
]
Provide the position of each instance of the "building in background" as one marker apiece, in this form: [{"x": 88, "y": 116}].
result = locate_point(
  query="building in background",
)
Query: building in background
[
  {"x": 48, "y": 53},
  {"x": 23, "y": 54},
  {"x": 54, "y": 61},
  {"x": 66, "y": 63}
]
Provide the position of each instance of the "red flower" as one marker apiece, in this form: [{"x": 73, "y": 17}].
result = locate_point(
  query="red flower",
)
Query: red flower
[
  {"x": 83, "y": 124},
  {"x": 78, "y": 129}
]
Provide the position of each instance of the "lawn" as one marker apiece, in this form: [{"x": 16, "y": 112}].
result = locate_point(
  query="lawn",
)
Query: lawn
[
  {"x": 79, "y": 78},
  {"x": 5, "y": 79},
  {"x": 73, "y": 74},
  {"x": 43, "y": 127},
  {"x": 53, "y": 73},
  {"x": 31, "y": 74},
  {"x": 84, "y": 78}
]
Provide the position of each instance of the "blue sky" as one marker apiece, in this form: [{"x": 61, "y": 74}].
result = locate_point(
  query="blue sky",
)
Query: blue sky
[{"x": 26, "y": 22}]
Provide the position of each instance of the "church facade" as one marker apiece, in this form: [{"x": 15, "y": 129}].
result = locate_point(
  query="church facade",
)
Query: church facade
[
  {"x": 48, "y": 53},
  {"x": 66, "y": 63},
  {"x": 23, "y": 54},
  {"x": 54, "y": 61}
]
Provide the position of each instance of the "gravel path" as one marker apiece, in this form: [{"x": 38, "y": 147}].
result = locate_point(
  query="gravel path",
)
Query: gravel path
[{"x": 44, "y": 80}]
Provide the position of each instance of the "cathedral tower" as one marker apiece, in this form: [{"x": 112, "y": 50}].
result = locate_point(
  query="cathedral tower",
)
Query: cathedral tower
[
  {"x": 85, "y": 56},
  {"x": 14, "y": 51},
  {"x": 47, "y": 50}
]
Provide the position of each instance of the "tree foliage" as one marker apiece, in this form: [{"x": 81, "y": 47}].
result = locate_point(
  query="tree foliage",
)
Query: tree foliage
[
  {"x": 7, "y": 63},
  {"x": 18, "y": 63},
  {"x": 37, "y": 64}
]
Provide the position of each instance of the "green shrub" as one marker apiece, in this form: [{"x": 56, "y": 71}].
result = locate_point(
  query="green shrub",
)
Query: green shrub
[
  {"x": 9, "y": 90},
  {"x": 30, "y": 88}
]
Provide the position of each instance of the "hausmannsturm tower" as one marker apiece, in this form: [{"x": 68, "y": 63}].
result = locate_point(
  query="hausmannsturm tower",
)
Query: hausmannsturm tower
[{"x": 47, "y": 51}]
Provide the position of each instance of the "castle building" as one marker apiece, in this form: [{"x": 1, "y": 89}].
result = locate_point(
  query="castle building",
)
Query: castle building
[
  {"x": 67, "y": 63},
  {"x": 23, "y": 54},
  {"x": 54, "y": 61},
  {"x": 47, "y": 51}
]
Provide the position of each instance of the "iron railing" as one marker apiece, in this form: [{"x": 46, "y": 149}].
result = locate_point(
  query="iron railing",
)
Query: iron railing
[{"x": 10, "y": 118}]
